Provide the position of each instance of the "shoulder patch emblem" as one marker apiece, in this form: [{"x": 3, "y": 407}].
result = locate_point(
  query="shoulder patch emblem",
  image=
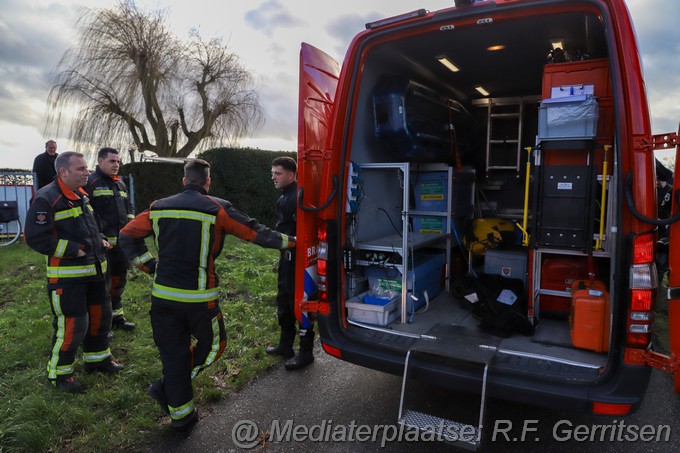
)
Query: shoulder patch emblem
[{"x": 41, "y": 218}]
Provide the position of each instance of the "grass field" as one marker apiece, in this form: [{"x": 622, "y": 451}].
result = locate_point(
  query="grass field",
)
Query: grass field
[{"x": 115, "y": 414}]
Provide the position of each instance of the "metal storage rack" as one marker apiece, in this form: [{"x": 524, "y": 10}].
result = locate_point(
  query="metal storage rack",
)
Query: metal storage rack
[
  {"x": 606, "y": 251},
  {"x": 410, "y": 241}
]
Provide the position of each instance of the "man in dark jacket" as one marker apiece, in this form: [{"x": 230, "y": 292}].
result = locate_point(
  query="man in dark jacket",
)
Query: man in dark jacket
[
  {"x": 284, "y": 175},
  {"x": 43, "y": 165},
  {"x": 109, "y": 197},
  {"x": 60, "y": 224},
  {"x": 189, "y": 230}
]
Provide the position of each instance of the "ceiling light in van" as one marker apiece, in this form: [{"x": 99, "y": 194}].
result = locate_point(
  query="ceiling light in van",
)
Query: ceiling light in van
[
  {"x": 446, "y": 62},
  {"x": 557, "y": 43},
  {"x": 495, "y": 48},
  {"x": 482, "y": 90}
]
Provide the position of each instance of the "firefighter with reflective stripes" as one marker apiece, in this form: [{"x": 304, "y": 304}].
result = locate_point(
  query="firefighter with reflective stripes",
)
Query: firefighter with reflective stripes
[
  {"x": 189, "y": 230},
  {"x": 109, "y": 197},
  {"x": 61, "y": 225}
]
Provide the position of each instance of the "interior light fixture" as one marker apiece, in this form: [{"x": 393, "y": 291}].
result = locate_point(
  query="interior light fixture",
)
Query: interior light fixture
[
  {"x": 557, "y": 43},
  {"x": 448, "y": 63},
  {"x": 495, "y": 48},
  {"x": 481, "y": 90}
]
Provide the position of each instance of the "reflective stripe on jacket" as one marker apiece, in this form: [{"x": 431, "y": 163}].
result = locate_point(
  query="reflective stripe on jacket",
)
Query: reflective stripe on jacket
[
  {"x": 189, "y": 230},
  {"x": 60, "y": 223},
  {"x": 111, "y": 203}
]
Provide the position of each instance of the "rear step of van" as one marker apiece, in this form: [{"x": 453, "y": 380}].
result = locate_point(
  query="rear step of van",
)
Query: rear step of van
[{"x": 477, "y": 356}]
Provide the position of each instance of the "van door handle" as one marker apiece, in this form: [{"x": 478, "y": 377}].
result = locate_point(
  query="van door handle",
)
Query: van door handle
[{"x": 302, "y": 206}]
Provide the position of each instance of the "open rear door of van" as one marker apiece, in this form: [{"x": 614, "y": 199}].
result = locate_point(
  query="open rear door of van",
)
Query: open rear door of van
[
  {"x": 318, "y": 83},
  {"x": 674, "y": 275}
]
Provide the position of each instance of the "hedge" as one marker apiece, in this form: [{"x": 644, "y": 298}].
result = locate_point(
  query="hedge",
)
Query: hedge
[{"x": 240, "y": 175}]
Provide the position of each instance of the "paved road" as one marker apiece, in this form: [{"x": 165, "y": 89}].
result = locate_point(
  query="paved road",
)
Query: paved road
[{"x": 331, "y": 397}]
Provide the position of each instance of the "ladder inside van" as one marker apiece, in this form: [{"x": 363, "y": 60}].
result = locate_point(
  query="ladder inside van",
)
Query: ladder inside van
[{"x": 476, "y": 355}]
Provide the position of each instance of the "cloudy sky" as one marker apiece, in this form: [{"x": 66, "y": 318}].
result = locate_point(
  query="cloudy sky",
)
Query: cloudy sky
[{"x": 266, "y": 34}]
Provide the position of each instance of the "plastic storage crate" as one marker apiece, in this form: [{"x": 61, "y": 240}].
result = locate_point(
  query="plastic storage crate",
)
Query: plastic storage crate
[
  {"x": 506, "y": 263},
  {"x": 426, "y": 272},
  {"x": 380, "y": 315},
  {"x": 572, "y": 117}
]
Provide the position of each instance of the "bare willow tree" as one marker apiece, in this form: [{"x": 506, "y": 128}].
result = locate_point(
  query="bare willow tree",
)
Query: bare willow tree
[{"x": 131, "y": 81}]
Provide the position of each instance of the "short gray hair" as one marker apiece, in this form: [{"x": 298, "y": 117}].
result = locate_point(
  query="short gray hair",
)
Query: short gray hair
[{"x": 64, "y": 159}]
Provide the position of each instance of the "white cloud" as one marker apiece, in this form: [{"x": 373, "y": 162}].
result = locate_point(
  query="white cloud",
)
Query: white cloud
[{"x": 266, "y": 34}]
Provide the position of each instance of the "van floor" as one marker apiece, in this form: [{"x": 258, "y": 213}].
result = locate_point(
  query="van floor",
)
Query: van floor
[{"x": 551, "y": 341}]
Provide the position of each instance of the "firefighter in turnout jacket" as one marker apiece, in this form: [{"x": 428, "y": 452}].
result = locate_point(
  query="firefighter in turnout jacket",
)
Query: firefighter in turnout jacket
[
  {"x": 109, "y": 197},
  {"x": 189, "y": 230},
  {"x": 284, "y": 173},
  {"x": 60, "y": 223}
]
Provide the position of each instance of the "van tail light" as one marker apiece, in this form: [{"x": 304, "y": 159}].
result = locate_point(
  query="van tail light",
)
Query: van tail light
[
  {"x": 644, "y": 281},
  {"x": 322, "y": 261}
]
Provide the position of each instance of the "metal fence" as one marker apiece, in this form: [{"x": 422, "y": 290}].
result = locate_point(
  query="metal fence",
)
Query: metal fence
[{"x": 18, "y": 186}]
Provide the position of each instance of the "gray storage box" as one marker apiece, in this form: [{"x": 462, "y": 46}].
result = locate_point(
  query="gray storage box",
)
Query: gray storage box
[
  {"x": 568, "y": 117},
  {"x": 509, "y": 264},
  {"x": 380, "y": 315}
]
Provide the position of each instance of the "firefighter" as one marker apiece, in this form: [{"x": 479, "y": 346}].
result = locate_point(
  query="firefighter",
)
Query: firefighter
[
  {"x": 284, "y": 170},
  {"x": 109, "y": 197},
  {"x": 189, "y": 230},
  {"x": 60, "y": 224}
]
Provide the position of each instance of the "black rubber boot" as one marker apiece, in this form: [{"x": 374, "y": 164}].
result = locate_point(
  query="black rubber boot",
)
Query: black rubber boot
[
  {"x": 119, "y": 322},
  {"x": 157, "y": 392},
  {"x": 285, "y": 346},
  {"x": 305, "y": 355}
]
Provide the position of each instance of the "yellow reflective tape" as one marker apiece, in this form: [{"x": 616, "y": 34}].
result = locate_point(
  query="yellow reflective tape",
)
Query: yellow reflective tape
[
  {"x": 102, "y": 193},
  {"x": 178, "y": 413},
  {"x": 113, "y": 240},
  {"x": 188, "y": 215},
  {"x": 184, "y": 295},
  {"x": 71, "y": 271},
  {"x": 131, "y": 216},
  {"x": 96, "y": 356},
  {"x": 52, "y": 369},
  {"x": 214, "y": 349},
  {"x": 68, "y": 213},
  {"x": 123, "y": 194},
  {"x": 61, "y": 248},
  {"x": 142, "y": 259}
]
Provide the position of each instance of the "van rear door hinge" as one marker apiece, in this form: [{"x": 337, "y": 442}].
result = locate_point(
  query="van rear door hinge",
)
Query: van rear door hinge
[
  {"x": 315, "y": 307},
  {"x": 669, "y": 364},
  {"x": 659, "y": 141}
]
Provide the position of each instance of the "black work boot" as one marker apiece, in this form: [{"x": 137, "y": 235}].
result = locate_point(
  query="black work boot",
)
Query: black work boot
[
  {"x": 301, "y": 360},
  {"x": 108, "y": 367},
  {"x": 68, "y": 385},
  {"x": 157, "y": 392},
  {"x": 186, "y": 423},
  {"x": 305, "y": 355},
  {"x": 119, "y": 322},
  {"x": 285, "y": 346}
]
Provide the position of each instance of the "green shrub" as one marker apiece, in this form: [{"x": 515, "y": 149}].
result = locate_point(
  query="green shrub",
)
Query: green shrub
[{"x": 240, "y": 175}]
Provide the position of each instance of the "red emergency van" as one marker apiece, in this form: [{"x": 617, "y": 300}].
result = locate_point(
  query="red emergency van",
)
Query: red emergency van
[{"x": 477, "y": 206}]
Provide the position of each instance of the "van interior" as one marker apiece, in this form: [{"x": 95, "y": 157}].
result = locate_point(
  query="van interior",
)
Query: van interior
[{"x": 477, "y": 156}]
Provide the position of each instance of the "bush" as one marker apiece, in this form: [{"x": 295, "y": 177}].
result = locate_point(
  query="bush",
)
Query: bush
[
  {"x": 240, "y": 175},
  {"x": 243, "y": 176}
]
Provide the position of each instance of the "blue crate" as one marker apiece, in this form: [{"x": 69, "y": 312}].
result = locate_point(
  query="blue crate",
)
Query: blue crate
[
  {"x": 431, "y": 190},
  {"x": 426, "y": 273}
]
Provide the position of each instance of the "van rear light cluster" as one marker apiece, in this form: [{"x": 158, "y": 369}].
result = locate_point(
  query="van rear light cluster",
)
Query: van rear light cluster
[
  {"x": 644, "y": 281},
  {"x": 321, "y": 263}
]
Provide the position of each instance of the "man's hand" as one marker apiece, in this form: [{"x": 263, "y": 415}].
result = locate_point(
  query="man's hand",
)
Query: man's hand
[{"x": 106, "y": 244}]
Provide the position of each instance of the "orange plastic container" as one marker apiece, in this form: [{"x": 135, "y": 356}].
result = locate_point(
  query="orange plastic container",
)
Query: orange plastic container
[
  {"x": 589, "y": 315},
  {"x": 588, "y": 72}
]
